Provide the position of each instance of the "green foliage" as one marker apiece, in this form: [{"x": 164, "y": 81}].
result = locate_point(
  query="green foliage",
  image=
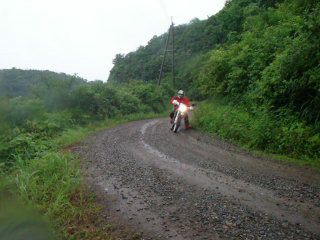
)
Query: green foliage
[
  {"x": 49, "y": 180},
  {"x": 260, "y": 130},
  {"x": 211, "y": 78},
  {"x": 129, "y": 103},
  {"x": 276, "y": 63},
  {"x": 54, "y": 92},
  {"x": 18, "y": 110},
  {"x": 27, "y": 123},
  {"x": 48, "y": 184},
  {"x": 293, "y": 80},
  {"x": 104, "y": 101},
  {"x": 152, "y": 96},
  {"x": 188, "y": 73}
]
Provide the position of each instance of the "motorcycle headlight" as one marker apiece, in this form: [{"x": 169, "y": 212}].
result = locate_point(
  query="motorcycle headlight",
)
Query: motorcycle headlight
[{"x": 183, "y": 108}]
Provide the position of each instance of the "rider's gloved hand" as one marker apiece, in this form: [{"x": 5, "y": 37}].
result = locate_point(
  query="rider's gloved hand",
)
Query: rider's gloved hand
[{"x": 175, "y": 102}]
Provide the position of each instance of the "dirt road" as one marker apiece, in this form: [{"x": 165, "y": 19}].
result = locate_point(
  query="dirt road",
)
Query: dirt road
[{"x": 193, "y": 186}]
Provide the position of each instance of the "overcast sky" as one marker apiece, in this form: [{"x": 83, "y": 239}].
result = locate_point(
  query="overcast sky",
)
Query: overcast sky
[{"x": 82, "y": 36}]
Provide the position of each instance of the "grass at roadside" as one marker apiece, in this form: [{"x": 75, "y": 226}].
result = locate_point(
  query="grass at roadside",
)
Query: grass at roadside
[
  {"x": 284, "y": 139},
  {"x": 51, "y": 183}
]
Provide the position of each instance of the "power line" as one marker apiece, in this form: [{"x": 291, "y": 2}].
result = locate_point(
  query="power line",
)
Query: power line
[{"x": 170, "y": 33}]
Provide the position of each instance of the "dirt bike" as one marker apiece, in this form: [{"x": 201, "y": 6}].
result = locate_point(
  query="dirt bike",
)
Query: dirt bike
[{"x": 180, "y": 113}]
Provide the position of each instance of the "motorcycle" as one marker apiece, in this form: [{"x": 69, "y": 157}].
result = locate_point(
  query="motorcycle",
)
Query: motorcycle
[{"x": 180, "y": 113}]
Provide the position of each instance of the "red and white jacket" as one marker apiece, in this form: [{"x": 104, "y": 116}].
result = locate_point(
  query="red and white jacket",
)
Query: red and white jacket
[{"x": 181, "y": 100}]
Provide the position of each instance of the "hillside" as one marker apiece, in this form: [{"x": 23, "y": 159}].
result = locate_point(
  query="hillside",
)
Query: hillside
[
  {"x": 17, "y": 82},
  {"x": 191, "y": 40}
]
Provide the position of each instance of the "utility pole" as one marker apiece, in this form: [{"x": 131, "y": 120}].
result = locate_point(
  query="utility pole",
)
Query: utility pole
[
  {"x": 170, "y": 32},
  {"x": 173, "y": 51}
]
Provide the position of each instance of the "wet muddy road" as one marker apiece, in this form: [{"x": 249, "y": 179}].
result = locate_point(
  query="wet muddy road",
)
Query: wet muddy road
[{"x": 193, "y": 186}]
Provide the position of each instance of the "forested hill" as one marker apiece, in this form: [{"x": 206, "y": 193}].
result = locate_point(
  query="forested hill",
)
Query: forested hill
[
  {"x": 192, "y": 39},
  {"x": 17, "y": 82},
  {"x": 259, "y": 52}
]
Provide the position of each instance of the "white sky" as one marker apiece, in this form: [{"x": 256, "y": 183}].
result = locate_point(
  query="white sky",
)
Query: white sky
[{"x": 83, "y": 36}]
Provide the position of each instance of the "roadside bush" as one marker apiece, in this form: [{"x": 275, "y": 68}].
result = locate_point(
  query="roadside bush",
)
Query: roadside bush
[
  {"x": 211, "y": 80},
  {"x": 259, "y": 130},
  {"x": 48, "y": 184},
  {"x": 102, "y": 101},
  {"x": 293, "y": 80},
  {"x": 52, "y": 124},
  {"x": 17, "y": 111},
  {"x": 22, "y": 146},
  {"x": 31, "y": 138},
  {"x": 129, "y": 103},
  {"x": 151, "y": 95},
  {"x": 48, "y": 180}
]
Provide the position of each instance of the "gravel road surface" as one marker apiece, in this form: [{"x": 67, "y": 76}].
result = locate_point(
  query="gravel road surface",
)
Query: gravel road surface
[{"x": 193, "y": 186}]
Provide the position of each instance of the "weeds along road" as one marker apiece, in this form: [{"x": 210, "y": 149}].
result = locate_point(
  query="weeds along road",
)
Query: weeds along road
[{"x": 193, "y": 186}]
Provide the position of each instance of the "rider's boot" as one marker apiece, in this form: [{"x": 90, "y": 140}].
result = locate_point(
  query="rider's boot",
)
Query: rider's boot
[{"x": 186, "y": 122}]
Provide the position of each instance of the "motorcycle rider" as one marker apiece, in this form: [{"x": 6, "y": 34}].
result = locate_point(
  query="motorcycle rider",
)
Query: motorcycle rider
[{"x": 175, "y": 101}]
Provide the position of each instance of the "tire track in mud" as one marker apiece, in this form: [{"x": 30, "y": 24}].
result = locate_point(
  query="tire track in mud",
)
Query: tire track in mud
[{"x": 181, "y": 186}]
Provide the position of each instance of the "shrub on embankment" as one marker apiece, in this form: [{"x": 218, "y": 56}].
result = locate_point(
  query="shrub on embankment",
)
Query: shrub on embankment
[{"x": 259, "y": 130}]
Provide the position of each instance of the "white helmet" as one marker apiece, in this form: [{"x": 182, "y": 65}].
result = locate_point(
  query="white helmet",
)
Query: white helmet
[{"x": 180, "y": 93}]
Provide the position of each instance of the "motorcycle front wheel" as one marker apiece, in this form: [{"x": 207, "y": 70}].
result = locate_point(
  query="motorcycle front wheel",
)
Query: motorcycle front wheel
[{"x": 176, "y": 124}]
